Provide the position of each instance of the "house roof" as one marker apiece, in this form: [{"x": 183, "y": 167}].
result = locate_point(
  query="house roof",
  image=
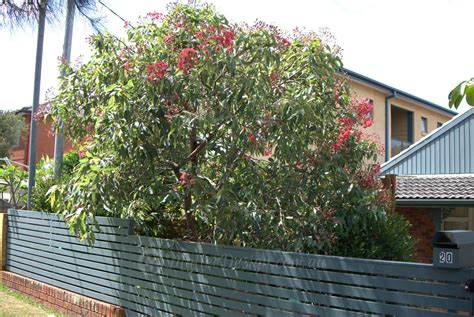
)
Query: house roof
[
  {"x": 23, "y": 110},
  {"x": 456, "y": 186},
  {"x": 435, "y": 191},
  {"x": 398, "y": 92},
  {"x": 446, "y": 150}
]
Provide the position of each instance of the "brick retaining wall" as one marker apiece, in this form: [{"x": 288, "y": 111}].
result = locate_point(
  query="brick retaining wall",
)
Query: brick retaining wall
[{"x": 59, "y": 299}]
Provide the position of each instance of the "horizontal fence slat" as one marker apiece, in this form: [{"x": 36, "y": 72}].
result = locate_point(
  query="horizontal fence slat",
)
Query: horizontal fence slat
[
  {"x": 252, "y": 309},
  {"x": 381, "y": 282},
  {"x": 379, "y": 267},
  {"x": 175, "y": 282},
  {"x": 61, "y": 229},
  {"x": 161, "y": 301},
  {"x": 121, "y": 274},
  {"x": 106, "y": 221},
  {"x": 367, "y": 280},
  {"x": 143, "y": 309},
  {"x": 272, "y": 291},
  {"x": 197, "y": 278},
  {"x": 41, "y": 225},
  {"x": 114, "y": 282}
]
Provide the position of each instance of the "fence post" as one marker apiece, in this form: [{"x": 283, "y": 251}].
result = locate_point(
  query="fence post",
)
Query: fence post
[
  {"x": 471, "y": 313},
  {"x": 3, "y": 240}
]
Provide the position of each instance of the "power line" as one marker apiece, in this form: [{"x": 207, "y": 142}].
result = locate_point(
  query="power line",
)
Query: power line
[{"x": 112, "y": 11}]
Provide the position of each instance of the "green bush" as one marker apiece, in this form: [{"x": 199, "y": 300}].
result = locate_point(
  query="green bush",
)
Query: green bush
[
  {"x": 204, "y": 130},
  {"x": 14, "y": 181},
  {"x": 386, "y": 236},
  {"x": 45, "y": 179},
  {"x": 11, "y": 127}
]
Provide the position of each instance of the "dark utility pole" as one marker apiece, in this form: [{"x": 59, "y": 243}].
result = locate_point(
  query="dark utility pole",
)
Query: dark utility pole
[{"x": 36, "y": 95}]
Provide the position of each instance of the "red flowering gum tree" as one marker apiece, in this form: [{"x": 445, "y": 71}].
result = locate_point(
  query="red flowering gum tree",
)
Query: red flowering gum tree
[{"x": 216, "y": 132}]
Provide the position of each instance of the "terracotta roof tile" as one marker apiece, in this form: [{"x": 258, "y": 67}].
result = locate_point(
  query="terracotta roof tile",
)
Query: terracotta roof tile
[{"x": 451, "y": 186}]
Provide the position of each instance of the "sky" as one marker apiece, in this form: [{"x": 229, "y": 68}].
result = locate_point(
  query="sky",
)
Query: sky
[{"x": 421, "y": 47}]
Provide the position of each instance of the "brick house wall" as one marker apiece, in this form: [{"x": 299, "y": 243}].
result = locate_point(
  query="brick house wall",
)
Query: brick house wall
[
  {"x": 422, "y": 229},
  {"x": 45, "y": 145}
]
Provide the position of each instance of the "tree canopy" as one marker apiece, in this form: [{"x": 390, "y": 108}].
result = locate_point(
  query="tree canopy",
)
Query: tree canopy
[
  {"x": 21, "y": 13},
  {"x": 11, "y": 127},
  {"x": 206, "y": 130}
]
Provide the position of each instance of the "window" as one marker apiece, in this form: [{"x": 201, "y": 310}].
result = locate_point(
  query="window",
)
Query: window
[
  {"x": 459, "y": 219},
  {"x": 439, "y": 125},
  {"x": 424, "y": 125}
]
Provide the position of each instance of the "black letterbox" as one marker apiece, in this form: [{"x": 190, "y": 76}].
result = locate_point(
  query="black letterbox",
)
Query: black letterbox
[{"x": 453, "y": 249}]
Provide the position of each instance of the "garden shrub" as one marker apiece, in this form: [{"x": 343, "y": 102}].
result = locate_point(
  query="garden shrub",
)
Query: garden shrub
[
  {"x": 378, "y": 237},
  {"x": 209, "y": 131},
  {"x": 14, "y": 182},
  {"x": 44, "y": 180}
]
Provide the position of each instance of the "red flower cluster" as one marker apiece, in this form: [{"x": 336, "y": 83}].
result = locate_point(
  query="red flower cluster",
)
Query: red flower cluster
[
  {"x": 363, "y": 110},
  {"x": 187, "y": 57},
  {"x": 285, "y": 42},
  {"x": 274, "y": 77},
  {"x": 368, "y": 123},
  {"x": 156, "y": 70},
  {"x": 155, "y": 15},
  {"x": 268, "y": 151},
  {"x": 226, "y": 40},
  {"x": 368, "y": 180},
  {"x": 345, "y": 132},
  {"x": 171, "y": 110},
  {"x": 185, "y": 179},
  {"x": 252, "y": 138},
  {"x": 376, "y": 168},
  {"x": 127, "y": 66},
  {"x": 169, "y": 38}
]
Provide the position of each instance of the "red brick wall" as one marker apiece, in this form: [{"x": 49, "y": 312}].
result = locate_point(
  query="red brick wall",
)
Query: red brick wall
[
  {"x": 422, "y": 229},
  {"x": 64, "y": 301},
  {"x": 45, "y": 145}
]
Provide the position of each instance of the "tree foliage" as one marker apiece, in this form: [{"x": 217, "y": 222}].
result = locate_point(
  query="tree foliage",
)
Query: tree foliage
[
  {"x": 205, "y": 130},
  {"x": 21, "y": 13},
  {"x": 13, "y": 181},
  {"x": 464, "y": 89},
  {"x": 11, "y": 127},
  {"x": 44, "y": 179}
]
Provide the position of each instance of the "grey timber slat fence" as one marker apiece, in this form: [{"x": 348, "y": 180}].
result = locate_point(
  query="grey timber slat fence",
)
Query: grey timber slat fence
[{"x": 158, "y": 277}]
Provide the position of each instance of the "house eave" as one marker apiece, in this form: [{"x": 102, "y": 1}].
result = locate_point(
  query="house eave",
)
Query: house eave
[
  {"x": 433, "y": 203},
  {"x": 399, "y": 93}
]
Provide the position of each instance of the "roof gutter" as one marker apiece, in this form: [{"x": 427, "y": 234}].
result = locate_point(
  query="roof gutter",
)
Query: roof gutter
[
  {"x": 434, "y": 203},
  {"x": 387, "y": 115},
  {"x": 401, "y": 93}
]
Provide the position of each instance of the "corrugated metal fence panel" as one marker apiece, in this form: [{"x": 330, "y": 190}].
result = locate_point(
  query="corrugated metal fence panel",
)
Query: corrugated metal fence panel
[
  {"x": 447, "y": 151},
  {"x": 166, "y": 277}
]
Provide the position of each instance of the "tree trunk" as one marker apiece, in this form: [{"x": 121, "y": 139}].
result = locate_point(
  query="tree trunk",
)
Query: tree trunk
[
  {"x": 67, "y": 45},
  {"x": 190, "y": 219},
  {"x": 36, "y": 96}
]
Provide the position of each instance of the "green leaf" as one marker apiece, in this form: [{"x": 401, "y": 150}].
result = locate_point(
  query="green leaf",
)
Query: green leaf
[
  {"x": 111, "y": 101},
  {"x": 469, "y": 91},
  {"x": 110, "y": 88},
  {"x": 456, "y": 95}
]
